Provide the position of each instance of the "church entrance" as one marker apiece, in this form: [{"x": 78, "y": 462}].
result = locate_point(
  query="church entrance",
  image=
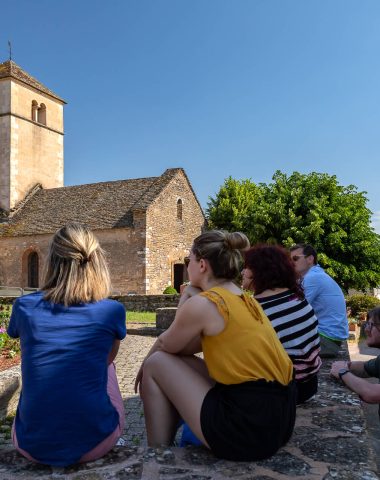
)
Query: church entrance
[{"x": 180, "y": 275}]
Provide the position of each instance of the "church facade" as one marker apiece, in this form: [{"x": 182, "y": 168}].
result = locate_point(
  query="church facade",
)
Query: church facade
[{"x": 145, "y": 225}]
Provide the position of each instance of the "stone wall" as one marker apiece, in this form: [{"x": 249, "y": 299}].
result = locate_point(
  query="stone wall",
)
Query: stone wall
[
  {"x": 147, "y": 303},
  {"x": 33, "y": 153},
  {"x": 169, "y": 238},
  {"x": 142, "y": 258},
  {"x": 125, "y": 254},
  {"x": 133, "y": 303},
  {"x": 14, "y": 258},
  {"x": 5, "y": 134}
]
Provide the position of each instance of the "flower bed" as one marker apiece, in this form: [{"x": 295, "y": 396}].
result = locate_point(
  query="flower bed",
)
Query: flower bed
[{"x": 9, "y": 347}]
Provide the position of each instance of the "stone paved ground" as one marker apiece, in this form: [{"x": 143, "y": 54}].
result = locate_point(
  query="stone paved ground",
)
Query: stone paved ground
[
  {"x": 329, "y": 442},
  {"x": 132, "y": 352}
]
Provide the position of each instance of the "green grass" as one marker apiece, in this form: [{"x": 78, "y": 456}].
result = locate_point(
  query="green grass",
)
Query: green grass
[{"x": 141, "y": 317}]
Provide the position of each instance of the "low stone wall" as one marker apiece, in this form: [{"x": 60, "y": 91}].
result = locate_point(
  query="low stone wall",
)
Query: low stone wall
[
  {"x": 165, "y": 317},
  {"x": 147, "y": 303},
  {"x": 136, "y": 303}
]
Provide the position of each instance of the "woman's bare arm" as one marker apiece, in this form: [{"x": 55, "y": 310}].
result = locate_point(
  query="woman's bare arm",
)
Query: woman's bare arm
[{"x": 114, "y": 351}]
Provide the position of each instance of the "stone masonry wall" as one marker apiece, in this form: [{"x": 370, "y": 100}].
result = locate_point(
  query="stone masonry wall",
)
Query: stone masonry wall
[
  {"x": 132, "y": 303},
  {"x": 147, "y": 303},
  {"x": 125, "y": 255},
  {"x": 21, "y": 103},
  {"x": 14, "y": 254},
  {"x": 5, "y": 143},
  {"x": 141, "y": 258},
  {"x": 32, "y": 153},
  {"x": 169, "y": 239},
  {"x": 5, "y": 149},
  {"x": 36, "y": 151},
  {"x": 122, "y": 247}
]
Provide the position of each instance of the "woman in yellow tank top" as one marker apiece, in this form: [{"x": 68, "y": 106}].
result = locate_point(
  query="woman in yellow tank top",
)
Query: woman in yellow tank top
[{"x": 240, "y": 400}]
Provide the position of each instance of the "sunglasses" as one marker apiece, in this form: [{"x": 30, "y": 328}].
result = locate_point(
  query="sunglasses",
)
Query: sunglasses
[
  {"x": 370, "y": 325},
  {"x": 295, "y": 258},
  {"x": 186, "y": 261}
]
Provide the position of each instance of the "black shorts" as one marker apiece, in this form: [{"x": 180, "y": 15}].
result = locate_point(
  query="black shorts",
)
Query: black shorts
[
  {"x": 306, "y": 388},
  {"x": 248, "y": 421}
]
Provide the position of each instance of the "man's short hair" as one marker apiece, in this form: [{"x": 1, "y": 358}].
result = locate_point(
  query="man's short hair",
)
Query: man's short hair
[{"x": 307, "y": 250}]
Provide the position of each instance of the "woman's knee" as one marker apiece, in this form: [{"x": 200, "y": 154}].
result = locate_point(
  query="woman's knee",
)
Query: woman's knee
[{"x": 155, "y": 361}]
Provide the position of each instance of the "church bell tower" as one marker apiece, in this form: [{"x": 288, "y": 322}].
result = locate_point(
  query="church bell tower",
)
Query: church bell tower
[{"x": 31, "y": 135}]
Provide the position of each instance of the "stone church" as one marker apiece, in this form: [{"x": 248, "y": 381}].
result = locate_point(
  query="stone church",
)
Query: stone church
[{"x": 146, "y": 225}]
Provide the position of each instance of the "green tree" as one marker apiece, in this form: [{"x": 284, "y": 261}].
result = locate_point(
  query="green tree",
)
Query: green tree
[
  {"x": 233, "y": 207},
  {"x": 311, "y": 208}
]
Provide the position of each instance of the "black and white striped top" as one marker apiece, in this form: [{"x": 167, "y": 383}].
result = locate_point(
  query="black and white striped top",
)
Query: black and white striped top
[{"x": 297, "y": 328}]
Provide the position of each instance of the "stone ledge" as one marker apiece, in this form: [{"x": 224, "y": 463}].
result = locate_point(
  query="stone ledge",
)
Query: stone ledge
[
  {"x": 10, "y": 386},
  {"x": 165, "y": 317},
  {"x": 330, "y": 442}
]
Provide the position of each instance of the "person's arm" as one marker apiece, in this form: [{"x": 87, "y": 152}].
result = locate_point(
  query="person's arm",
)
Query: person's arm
[
  {"x": 368, "y": 392},
  {"x": 311, "y": 287},
  {"x": 114, "y": 350},
  {"x": 196, "y": 316},
  {"x": 12, "y": 329},
  {"x": 357, "y": 368},
  {"x": 194, "y": 346}
]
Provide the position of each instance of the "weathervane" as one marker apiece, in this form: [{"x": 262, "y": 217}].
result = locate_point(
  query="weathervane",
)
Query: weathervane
[{"x": 10, "y": 50}]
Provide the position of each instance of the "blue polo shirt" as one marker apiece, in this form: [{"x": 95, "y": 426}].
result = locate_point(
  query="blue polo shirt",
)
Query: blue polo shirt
[
  {"x": 64, "y": 410},
  {"x": 327, "y": 300}
]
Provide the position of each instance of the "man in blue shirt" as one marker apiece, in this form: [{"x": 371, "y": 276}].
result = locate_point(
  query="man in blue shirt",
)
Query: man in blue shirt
[{"x": 326, "y": 298}]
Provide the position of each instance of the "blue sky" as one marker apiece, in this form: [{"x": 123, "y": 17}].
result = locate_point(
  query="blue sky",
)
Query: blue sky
[{"x": 237, "y": 87}]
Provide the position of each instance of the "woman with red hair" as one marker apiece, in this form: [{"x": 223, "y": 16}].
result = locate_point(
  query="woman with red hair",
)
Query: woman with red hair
[{"x": 270, "y": 275}]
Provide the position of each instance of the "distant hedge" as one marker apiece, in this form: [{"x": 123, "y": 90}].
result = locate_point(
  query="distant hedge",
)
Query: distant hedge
[{"x": 360, "y": 303}]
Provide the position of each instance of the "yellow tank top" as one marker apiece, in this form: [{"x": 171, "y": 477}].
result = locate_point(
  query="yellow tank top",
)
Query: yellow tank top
[{"x": 248, "y": 347}]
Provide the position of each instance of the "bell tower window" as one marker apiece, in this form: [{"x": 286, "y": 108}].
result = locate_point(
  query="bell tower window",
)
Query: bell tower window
[
  {"x": 42, "y": 114},
  {"x": 34, "y": 111}
]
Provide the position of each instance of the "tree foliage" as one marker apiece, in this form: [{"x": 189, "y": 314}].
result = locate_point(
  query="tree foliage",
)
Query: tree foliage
[{"x": 310, "y": 208}]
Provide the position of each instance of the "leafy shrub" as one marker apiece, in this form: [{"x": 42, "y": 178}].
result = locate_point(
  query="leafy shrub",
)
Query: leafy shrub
[
  {"x": 9, "y": 347},
  {"x": 169, "y": 290},
  {"x": 360, "y": 303}
]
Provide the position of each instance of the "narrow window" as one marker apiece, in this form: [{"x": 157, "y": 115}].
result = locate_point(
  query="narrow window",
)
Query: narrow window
[
  {"x": 42, "y": 114},
  {"x": 34, "y": 111},
  {"x": 179, "y": 209},
  {"x": 33, "y": 270}
]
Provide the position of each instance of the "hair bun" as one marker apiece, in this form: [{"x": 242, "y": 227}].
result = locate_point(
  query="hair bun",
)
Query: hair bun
[{"x": 236, "y": 241}]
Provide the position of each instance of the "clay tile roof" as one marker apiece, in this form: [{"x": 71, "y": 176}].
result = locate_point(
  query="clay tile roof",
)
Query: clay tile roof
[
  {"x": 10, "y": 69},
  {"x": 98, "y": 205}
]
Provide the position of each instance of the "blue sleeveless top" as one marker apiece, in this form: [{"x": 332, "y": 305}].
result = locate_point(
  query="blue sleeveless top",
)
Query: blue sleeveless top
[{"x": 64, "y": 410}]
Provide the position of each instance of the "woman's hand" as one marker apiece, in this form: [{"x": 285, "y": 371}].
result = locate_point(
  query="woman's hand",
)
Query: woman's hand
[{"x": 189, "y": 292}]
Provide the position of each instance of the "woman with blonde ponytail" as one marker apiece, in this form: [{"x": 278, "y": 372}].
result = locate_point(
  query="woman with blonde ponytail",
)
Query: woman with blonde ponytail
[
  {"x": 70, "y": 408},
  {"x": 240, "y": 400}
]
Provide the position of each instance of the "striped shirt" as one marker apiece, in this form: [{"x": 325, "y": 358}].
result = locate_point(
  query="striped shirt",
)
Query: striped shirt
[{"x": 297, "y": 328}]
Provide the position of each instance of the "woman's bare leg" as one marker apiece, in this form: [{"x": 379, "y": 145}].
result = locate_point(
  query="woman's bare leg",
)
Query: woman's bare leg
[{"x": 173, "y": 387}]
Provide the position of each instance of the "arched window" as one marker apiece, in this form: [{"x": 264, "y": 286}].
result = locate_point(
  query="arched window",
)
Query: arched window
[
  {"x": 33, "y": 270},
  {"x": 42, "y": 114},
  {"x": 34, "y": 111},
  {"x": 179, "y": 209}
]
